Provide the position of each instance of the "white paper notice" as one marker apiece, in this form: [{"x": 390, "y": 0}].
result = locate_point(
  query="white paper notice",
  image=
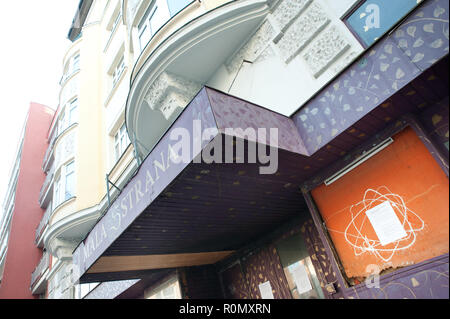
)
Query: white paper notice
[
  {"x": 266, "y": 290},
  {"x": 386, "y": 224},
  {"x": 301, "y": 279}
]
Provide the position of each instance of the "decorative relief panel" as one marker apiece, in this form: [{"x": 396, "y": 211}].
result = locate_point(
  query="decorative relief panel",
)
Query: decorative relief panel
[
  {"x": 287, "y": 11},
  {"x": 170, "y": 91},
  {"x": 302, "y": 31},
  {"x": 253, "y": 48},
  {"x": 325, "y": 50}
]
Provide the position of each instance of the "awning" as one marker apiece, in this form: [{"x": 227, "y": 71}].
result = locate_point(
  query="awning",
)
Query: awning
[{"x": 193, "y": 213}]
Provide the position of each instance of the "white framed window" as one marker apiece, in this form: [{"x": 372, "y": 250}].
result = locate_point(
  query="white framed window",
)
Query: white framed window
[
  {"x": 69, "y": 187},
  {"x": 64, "y": 185},
  {"x": 168, "y": 290},
  {"x": 62, "y": 121},
  {"x": 57, "y": 192},
  {"x": 69, "y": 116},
  {"x": 71, "y": 66},
  {"x": 155, "y": 16},
  {"x": 121, "y": 141},
  {"x": 75, "y": 63},
  {"x": 145, "y": 26},
  {"x": 116, "y": 22},
  {"x": 72, "y": 112},
  {"x": 118, "y": 71}
]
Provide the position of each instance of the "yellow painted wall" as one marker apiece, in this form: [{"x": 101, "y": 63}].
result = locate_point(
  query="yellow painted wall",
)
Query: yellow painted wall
[{"x": 90, "y": 155}]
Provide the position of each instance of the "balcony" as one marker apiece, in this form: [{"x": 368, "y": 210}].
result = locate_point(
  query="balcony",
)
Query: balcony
[
  {"x": 47, "y": 188},
  {"x": 38, "y": 280},
  {"x": 48, "y": 157},
  {"x": 41, "y": 227}
]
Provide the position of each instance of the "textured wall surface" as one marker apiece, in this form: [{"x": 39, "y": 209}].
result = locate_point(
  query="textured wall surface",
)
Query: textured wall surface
[{"x": 383, "y": 70}]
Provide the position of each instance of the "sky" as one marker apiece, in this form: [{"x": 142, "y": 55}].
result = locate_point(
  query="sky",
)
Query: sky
[{"x": 33, "y": 41}]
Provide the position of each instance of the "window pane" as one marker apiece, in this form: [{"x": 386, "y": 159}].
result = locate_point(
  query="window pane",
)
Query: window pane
[
  {"x": 177, "y": 5},
  {"x": 76, "y": 63},
  {"x": 70, "y": 167},
  {"x": 157, "y": 20},
  {"x": 73, "y": 112},
  {"x": 374, "y": 17},
  {"x": 117, "y": 151},
  {"x": 297, "y": 265},
  {"x": 144, "y": 37},
  {"x": 118, "y": 70}
]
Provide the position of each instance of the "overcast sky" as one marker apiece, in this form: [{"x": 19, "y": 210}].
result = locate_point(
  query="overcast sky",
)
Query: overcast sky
[{"x": 33, "y": 35}]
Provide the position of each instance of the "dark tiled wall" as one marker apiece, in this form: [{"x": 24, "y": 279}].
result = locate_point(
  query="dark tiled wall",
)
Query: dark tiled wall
[
  {"x": 435, "y": 121},
  {"x": 200, "y": 282}
]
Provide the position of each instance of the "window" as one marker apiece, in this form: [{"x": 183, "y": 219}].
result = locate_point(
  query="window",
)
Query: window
[
  {"x": 69, "y": 116},
  {"x": 155, "y": 16},
  {"x": 118, "y": 71},
  {"x": 57, "y": 192},
  {"x": 69, "y": 189},
  {"x": 72, "y": 112},
  {"x": 62, "y": 122},
  {"x": 121, "y": 141},
  {"x": 372, "y": 18},
  {"x": 116, "y": 22},
  {"x": 64, "y": 185},
  {"x": 75, "y": 63},
  {"x": 168, "y": 290},
  {"x": 176, "y": 6},
  {"x": 145, "y": 27},
  {"x": 71, "y": 67}
]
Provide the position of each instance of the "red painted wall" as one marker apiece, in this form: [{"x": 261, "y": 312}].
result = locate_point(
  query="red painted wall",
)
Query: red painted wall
[{"x": 23, "y": 255}]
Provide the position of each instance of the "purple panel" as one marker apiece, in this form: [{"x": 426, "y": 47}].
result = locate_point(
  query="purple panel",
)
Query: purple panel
[
  {"x": 232, "y": 112},
  {"x": 155, "y": 174},
  {"x": 380, "y": 73},
  {"x": 424, "y": 36},
  {"x": 428, "y": 280}
]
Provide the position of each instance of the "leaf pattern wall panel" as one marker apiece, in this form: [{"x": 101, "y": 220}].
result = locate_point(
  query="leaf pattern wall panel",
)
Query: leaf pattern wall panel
[
  {"x": 428, "y": 281},
  {"x": 264, "y": 265},
  {"x": 424, "y": 37},
  {"x": 383, "y": 70}
]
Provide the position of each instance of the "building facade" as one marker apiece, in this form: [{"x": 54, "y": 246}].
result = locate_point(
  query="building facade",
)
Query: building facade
[
  {"x": 250, "y": 149},
  {"x": 19, "y": 256}
]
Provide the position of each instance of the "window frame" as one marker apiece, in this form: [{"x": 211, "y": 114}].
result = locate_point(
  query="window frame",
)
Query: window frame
[
  {"x": 118, "y": 70},
  {"x": 69, "y": 174},
  {"x": 146, "y": 24},
  {"x": 72, "y": 106},
  {"x": 60, "y": 185},
  {"x": 121, "y": 141}
]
